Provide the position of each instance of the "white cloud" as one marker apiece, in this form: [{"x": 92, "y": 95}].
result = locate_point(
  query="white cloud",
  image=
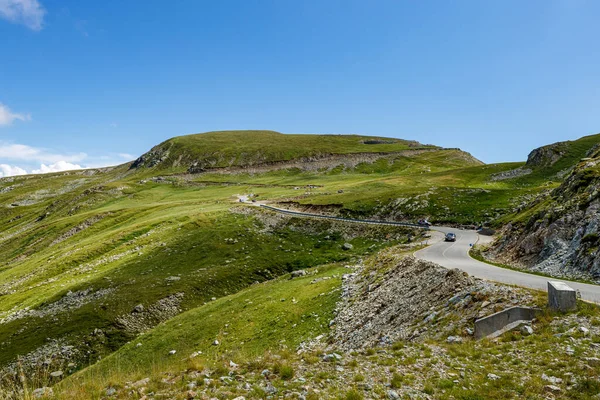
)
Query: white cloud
[
  {"x": 22, "y": 152},
  {"x": 24, "y": 159},
  {"x": 27, "y": 12},
  {"x": 7, "y": 170},
  {"x": 6, "y": 115},
  {"x": 56, "y": 167}
]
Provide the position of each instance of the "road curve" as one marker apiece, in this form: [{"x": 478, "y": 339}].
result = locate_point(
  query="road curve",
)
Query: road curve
[{"x": 456, "y": 255}]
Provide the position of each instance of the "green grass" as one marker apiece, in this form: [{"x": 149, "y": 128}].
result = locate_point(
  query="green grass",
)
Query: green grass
[
  {"x": 246, "y": 324},
  {"x": 242, "y": 148},
  {"x": 144, "y": 230}
]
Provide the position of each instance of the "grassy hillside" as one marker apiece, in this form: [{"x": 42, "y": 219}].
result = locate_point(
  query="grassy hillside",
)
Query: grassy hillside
[
  {"x": 80, "y": 251},
  {"x": 91, "y": 259},
  {"x": 244, "y": 148}
]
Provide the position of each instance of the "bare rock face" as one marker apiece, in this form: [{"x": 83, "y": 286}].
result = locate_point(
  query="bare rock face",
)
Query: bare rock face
[
  {"x": 562, "y": 236},
  {"x": 546, "y": 156}
]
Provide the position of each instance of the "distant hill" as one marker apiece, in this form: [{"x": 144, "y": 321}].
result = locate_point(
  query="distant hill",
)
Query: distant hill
[{"x": 195, "y": 153}]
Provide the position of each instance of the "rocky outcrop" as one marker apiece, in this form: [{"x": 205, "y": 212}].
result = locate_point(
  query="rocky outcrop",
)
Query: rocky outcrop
[
  {"x": 142, "y": 319},
  {"x": 561, "y": 236},
  {"x": 547, "y": 156}
]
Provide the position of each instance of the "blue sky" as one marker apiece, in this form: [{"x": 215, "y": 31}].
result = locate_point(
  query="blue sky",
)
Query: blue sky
[{"x": 94, "y": 83}]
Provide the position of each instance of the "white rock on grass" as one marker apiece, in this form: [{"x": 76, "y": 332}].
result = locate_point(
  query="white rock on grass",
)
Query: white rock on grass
[
  {"x": 552, "y": 388},
  {"x": 551, "y": 379},
  {"x": 454, "y": 339},
  {"x": 526, "y": 330},
  {"x": 493, "y": 377}
]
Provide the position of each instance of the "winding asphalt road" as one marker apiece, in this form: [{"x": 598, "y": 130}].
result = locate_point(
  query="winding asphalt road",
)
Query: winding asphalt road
[{"x": 456, "y": 255}]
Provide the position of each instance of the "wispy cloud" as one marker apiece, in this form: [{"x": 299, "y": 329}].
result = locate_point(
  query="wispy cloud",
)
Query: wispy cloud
[
  {"x": 9, "y": 170},
  {"x": 21, "y": 159},
  {"x": 22, "y": 152},
  {"x": 7, "y": 116},
  {"x": 26, "y": 12}
]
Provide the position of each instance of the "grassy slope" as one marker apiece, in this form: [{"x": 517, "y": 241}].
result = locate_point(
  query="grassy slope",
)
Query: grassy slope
[
  {"x": 246, "y": 325},
  {"x": 240, "y": 148},
  {"x": 194, "y": 249},
  {"x": 156, "y": 230}
]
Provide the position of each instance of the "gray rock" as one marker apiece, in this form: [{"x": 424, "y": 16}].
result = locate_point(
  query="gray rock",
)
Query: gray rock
[
  {"x": 43, "y": 392},
  {"x": 56, "y": 374},
  {"x": 110, "y": 391},
  {"x": 552, "y": 389},
  {"x": 393, "y": 395},
  {"x": 526, "y": 330},
  {"x": 347, "y": 246},
  {"x": 297, "y": 274},
  {"x": 454, "y": 339},
  {"x": 270, "y": 389},
  {"x": 493, "y": 377},
  {"x": 551, "y": 379},
  {"x": 138, "y": 309}
]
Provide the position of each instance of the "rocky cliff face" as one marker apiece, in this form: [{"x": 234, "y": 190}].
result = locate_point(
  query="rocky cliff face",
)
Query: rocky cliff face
[
  {"x": 561, "y": 232},
  {"x": 547, "y": 156}
]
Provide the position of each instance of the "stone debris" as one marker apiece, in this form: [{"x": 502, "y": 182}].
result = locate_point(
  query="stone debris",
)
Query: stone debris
[
  {"x": 430, "y": 293},
  {"x": 141, "y": 321},
  {"x": 43, "y": 392}
]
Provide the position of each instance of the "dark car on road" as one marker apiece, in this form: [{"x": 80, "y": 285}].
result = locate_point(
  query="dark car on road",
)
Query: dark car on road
[
  {"x": 450, "y": 237},
  {"x": 424, "y": 222}
]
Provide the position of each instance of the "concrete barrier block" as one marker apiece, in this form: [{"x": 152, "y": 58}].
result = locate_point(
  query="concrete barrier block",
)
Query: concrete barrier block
[
  {"x": 496, "y": 324},
  {"x": 561, "y": 296}
]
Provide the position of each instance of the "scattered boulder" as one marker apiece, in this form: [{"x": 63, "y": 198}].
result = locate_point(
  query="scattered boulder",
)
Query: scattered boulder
[
  {"x": 299, "y": 273},
  {"x": 138, "y": 309},
  {"x": 347, "y": 246},
  {"x": 552, "y": 389},
  {"x": 56, "y": 374},
  {"x": 493, "y": 377},
  {"x": 551, "y": 379},
  {"x": 454, "y": 339},
  {"x": 43, "y": 392},
  {"x": 526, "y": 330}
]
